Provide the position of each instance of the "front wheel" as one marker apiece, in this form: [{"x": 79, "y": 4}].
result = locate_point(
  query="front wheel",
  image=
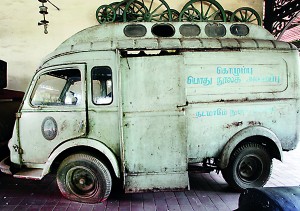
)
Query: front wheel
[
  {"x": 84, "y": 178},
  {"x": 250, "y": 166}
]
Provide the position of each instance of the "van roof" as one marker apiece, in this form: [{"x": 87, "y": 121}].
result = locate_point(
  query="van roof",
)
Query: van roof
[{"x": 169, "y": 35}]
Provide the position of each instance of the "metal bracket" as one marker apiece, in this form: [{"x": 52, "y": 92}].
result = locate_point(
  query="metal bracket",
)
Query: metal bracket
[{"x": 18, "y": 149}]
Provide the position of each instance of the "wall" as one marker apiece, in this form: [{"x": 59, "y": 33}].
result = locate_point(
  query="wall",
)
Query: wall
[{"x": 23, "y": 43}]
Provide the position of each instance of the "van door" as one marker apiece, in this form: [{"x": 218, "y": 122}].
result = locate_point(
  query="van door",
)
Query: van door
[
  {"x": 54, "y": 111},
  {"x": 154, "y": 125}
]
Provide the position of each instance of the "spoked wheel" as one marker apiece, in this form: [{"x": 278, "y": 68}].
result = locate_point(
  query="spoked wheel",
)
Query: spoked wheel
[
  {"x": 228, "y": 15},
  {"x": 84, "y": 178},
  {"x": 250, "y": 166},
  {"x": 190, "y": 15},
  {"x": 152, "y": 11},
  {"x": 119, "y": 8},
  {"x": 208, "y": 10},
  {"x": 246, "y": 14},
  {"x": 174, "y": 15},
  {"x": 105, "y": 14}
]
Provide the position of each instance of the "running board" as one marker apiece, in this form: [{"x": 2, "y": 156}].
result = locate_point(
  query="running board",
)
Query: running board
[
  {"x": 4, "y": 166},
  {"x": 33, "y": 174}
]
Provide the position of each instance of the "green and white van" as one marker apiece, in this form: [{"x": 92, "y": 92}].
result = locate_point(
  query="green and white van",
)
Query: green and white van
[{"x": 145, "y": 103}]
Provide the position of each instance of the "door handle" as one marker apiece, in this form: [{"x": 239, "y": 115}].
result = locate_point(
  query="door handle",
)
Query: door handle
[{"x": 182, "y": 106}]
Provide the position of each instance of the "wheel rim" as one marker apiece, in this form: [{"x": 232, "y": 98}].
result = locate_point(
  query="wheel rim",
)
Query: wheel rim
[
  {"x": 165, "y": 15},
  {"x": 105, "y": 14},
  {"x": 119, "y": 9},
  {"x": 228, "y": 15},
  {"x": 191, "y": 15},
  {"x": 250, "y": 168},
  {"x": 139, "y": 11},
  {"x": 246, "y": 14},
  {"x": 82, "y": 181},
  {"x": 134, "y": 11},
  {"x": 208, "y": 10}
]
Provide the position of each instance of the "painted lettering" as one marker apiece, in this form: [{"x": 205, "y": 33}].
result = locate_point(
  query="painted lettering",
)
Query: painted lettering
[
  {"x": 235, "y": 71},
  {"x": 236, "y": 112},
  {"x": 268, "y": 79},
  {"x": 228, "y": 80},
  {"x": 200, "y": 81},
  {"x": 209, "y": 113}
]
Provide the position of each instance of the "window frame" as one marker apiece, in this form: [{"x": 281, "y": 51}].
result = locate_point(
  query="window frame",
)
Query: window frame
[
  {"x": 92, "y": 86},
  {"x": 34, "y": 85}
]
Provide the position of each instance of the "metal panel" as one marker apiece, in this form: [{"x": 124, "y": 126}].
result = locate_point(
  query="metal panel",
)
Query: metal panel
[
  {"x": 155, "y": 150},
  {"x": 228, "y": 118},
  {"x": 50, "y": 125},
  {"x": 152, "y": 83},
  {"x": 171, "y": 181},
  {"x": 251, "y": 73}
]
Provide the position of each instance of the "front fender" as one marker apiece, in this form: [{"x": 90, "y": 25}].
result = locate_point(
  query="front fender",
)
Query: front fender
[
  {"x": 242, "y": 135},
  {"x": 83, "y": 142}
]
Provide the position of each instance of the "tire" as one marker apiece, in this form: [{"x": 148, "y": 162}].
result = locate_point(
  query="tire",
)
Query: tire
[
  {"x": 84, "y": 178},
  {"x": 250, "y": 166}
]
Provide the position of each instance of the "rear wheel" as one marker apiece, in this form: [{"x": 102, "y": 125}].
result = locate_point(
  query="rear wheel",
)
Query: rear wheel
[
  {"x": 249, "y": 166},
  {"x": 84, "y": 178}
]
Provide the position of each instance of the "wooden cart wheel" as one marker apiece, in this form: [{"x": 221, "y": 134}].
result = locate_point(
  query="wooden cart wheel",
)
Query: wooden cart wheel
[
  {"x": 228, "y": 15},
  {"x": 174, "y": 13},
  {"x": 119, "y": 9},
  {"x": 246, "y": 14},
  {"x": 208, "y": 10},
  {"x": 152, "y": 11},
  {"x": 105, "y": 14},
  {"x": 190, "y": 15}
]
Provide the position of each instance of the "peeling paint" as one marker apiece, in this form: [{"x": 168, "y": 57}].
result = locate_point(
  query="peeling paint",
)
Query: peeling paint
[
  {"x": 234, "y": 124},
  {"x": 252, "y": 123}
]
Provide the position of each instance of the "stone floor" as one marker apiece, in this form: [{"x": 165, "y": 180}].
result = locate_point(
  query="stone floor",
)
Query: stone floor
[{"x": 208, "y": 191}]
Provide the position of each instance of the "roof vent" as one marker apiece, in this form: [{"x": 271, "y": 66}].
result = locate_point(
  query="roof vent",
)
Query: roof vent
[
  {"x": 163, "y": 30},
  {"x": 189, "y": 30},
  {"x": 135, "y": 30},
  {"x": 215, "y": 30},
  {"x": 239, "y": 29}
]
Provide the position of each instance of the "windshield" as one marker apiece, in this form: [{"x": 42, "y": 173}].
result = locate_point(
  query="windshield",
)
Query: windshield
[{"x": 60, "y": 87}]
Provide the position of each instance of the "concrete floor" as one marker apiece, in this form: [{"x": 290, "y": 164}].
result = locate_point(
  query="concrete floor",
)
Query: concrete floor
[{"x": 208, "y": 191}]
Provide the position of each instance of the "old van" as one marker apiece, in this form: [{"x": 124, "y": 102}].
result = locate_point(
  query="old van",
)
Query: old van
[{"x": 146, "y": 103}]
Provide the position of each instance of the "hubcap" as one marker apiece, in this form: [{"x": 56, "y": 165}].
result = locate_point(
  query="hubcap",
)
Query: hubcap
[
  {"x": 82, "y": 181},
  {"x": 250, "y": 168}
]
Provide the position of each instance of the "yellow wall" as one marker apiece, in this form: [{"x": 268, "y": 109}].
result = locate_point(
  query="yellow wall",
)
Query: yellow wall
[{"x": 23, "y": 43}]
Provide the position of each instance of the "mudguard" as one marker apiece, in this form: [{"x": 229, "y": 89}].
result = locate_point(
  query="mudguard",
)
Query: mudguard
[
  {"x": 242, "y": 135},
  {"x": 83, "y": 142}
]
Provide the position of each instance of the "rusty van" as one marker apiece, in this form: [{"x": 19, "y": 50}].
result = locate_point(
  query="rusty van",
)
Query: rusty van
[{"x": 146, "y": 103}]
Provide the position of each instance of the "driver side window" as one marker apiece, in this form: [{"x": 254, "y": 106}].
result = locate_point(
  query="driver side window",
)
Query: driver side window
[{"x": 57, "y": 88}]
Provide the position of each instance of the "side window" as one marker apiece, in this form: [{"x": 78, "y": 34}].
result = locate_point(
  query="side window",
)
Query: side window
[
  {"x": 102, "y": 85},
  {"x": 57, "y": 88}
]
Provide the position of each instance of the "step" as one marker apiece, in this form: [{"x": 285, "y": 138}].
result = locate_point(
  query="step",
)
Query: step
[{"x": 33, "y": 174}]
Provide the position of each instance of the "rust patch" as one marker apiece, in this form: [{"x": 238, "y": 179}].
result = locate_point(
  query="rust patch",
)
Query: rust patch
[
  {"x": 234, "y": 124},
  {"x": 252, "y": 123},
  {"x": 64, "y": 125}
]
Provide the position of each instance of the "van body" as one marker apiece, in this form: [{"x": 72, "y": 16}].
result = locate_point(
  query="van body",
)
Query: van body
[{"x": 146, "y": 103}]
